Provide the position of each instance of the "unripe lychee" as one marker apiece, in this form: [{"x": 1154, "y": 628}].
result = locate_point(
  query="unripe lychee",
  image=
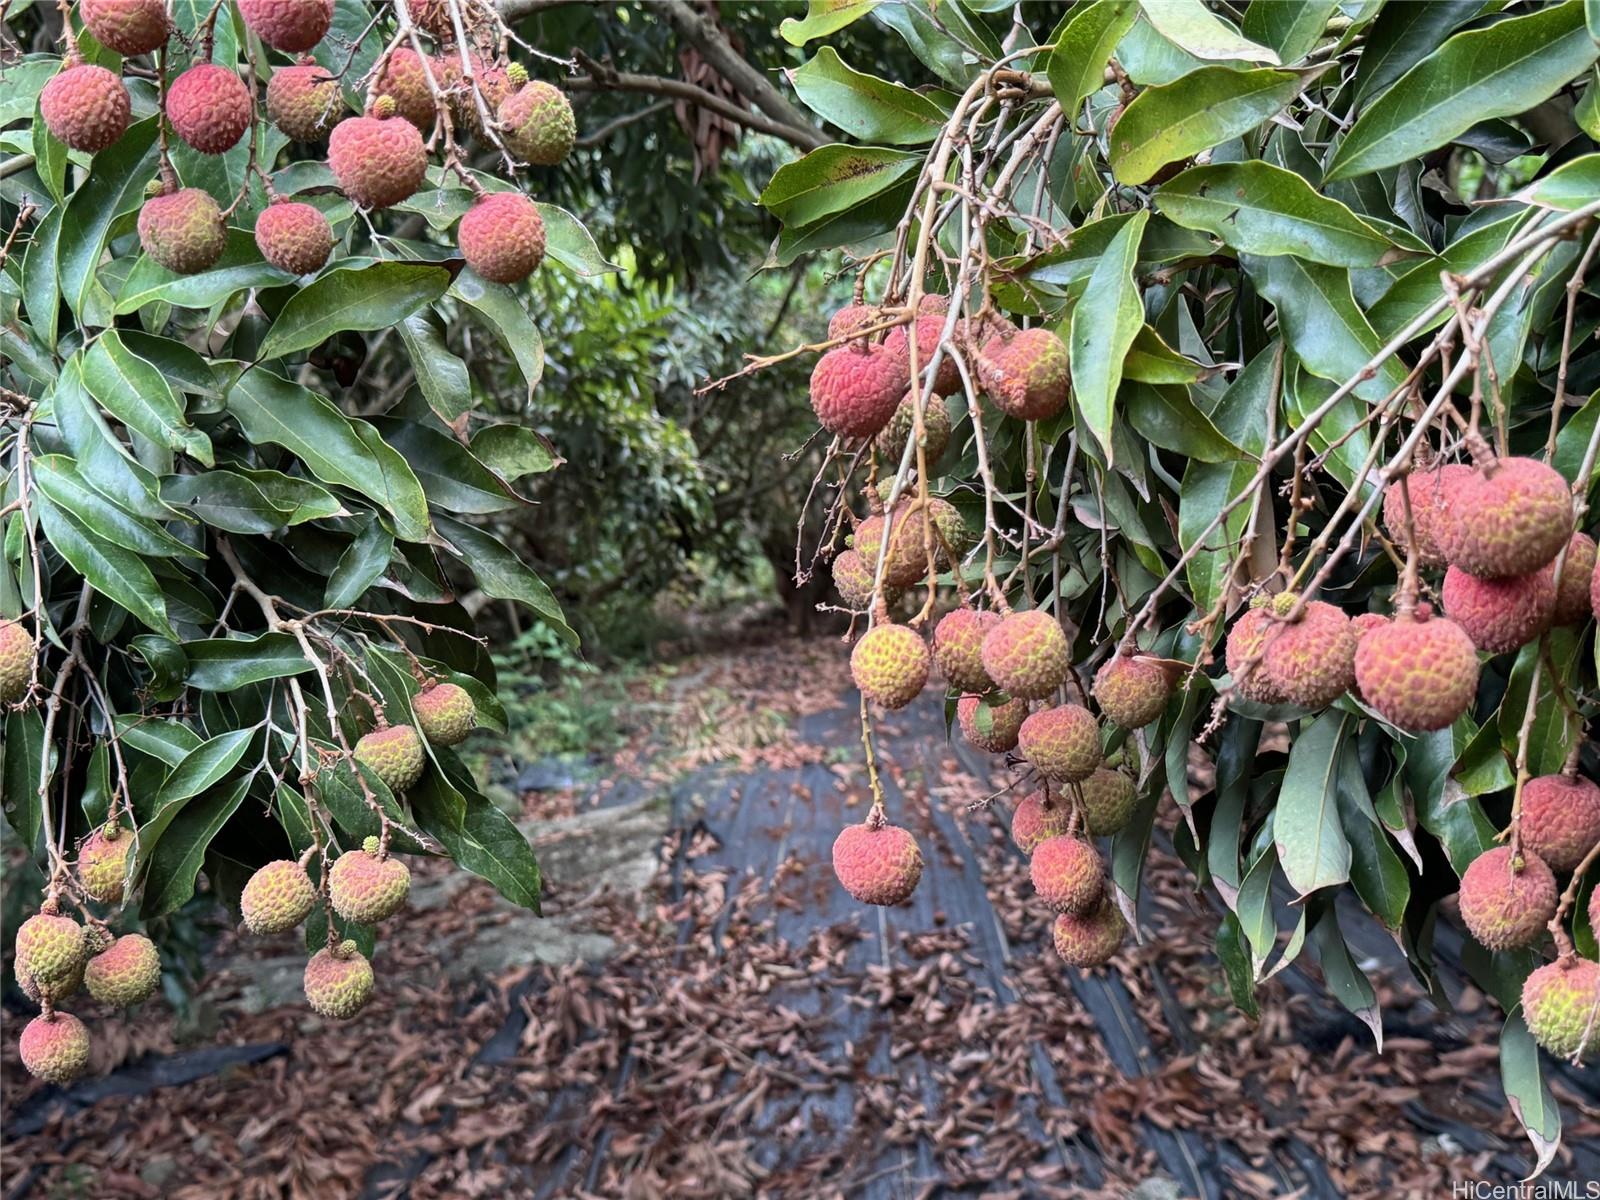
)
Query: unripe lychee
[
  {"x": 183, "y": 230},
  {"x": 277, "y": 897},
  {"x": 294, "y": 236},
  {"x": 890, "y": 665},
  {"x": 1062, "y": 743},
  {"x": 210, "y": 108},
  {"x": 929, "y": 330},
  {"x": 338, "y": 981},
  {"x": 303, "y": 100},
  {"x": 958, "y": 648},
  {"x": 1026, "y": 377},
  {"x": 366, "y": 888},
  {"x": 853, "y": 317},
  {"x": 1068, "y": 874},
  {"x": 50, "y": 948},
  {"x": 856, "y": 388},
  {"x": 536, "y": 124},
  {"x": 16, "y": 661},
  {"x": 1560, "y": 819},
  {"x": 1109, "y": 798},
  {"x": 378, "y": 161},
  {"x": 1312, "y": 660},
  {"x": 852, "y": 576},
  {"x": 891, "y": 441},
  {"x": 127, "y": 973},
  {"x": 1027, "y": 655},
  {"x": 54, "y": 992},
  {"x": 1132, "y": 690},
  {"x": 502, "y": 237},
  {"x": 877, "y": 866},
  {"x": 1500, "y": 614},
  {"x": 86, "y": 107},
  {"x": 988, "y": 726},
  {"x": 1508, "y": 519},
  {"x": 1420, "y": 675},
  {"x": 1577, "y": 570},
  {"x": 1506, "y": 908},
  {"x": 1091, "y": 940},
  {"x": 1245, "y": 640},
  {"x": 445, "y": 713},
  {"x": 1561, "y": 1004},
  {"x": 394, "y": 755},
  {"x": 1429, "y": 493},
  {"x": 55, "y": 1048},
  {"x": 906, "y": 561},
  {"x": 405, "y": 82},
  {"x": 127, "y": 26},
  {"x": 103, "y": 863},
  {"x": 288, "y": 25},
  {"x": 1033, "y": 822}
]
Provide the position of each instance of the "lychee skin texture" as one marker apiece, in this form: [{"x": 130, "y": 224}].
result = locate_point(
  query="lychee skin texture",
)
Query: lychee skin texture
[
  {"x": 1577, "y": 570},
  {"x": 851, "y": 318},
  {"x": 86, "y": 107},
  {"x": 288, "y": 25},
  {"x": 445, "y": 714},
  {"x": 906, "y": 561},
  {"x": 54, "y": 992},
  {"x": 277, "y": 897},
  {"x": 1510, "y": 520},
  {"x": 377, "y": 161},
  {"x": 1027, "y": 377},
  {"x": 103, "y": 864},
  {"x": 1003, "y": 721},
  {"x": 958, "y": 648},
  {"x": 856, "y": 388},
  {"x": 1063, "y": 743},
  {"x": 404, "y": 81},
  {"x": 55, "y": 1048},
  {"x": 1502, "y": 908},
  {"x": 367, "y": 889},
  {"x": 1244, "y": 641},
  {"x": 877, "y": 866},
  {"x": 1132, "y": 691},
  {"x": 1068, "y": 874},
  {"x": 891, "y": 441},
  {"x": 890, "y": 665},
  {"x": 1418, "y": 675},
  {"x": 948, "y": 378},
  {"x": 1561, "y": 1004},
  {"x": 502, "y": 237},
  {"x": 16, "y": 661},
  {"x": 127, "y": 26},
  {"x": 1091, "y": 940},
  {"x": 1500, "y": 614},
  {"x": 394, "y": 754},
  {"x": 183, "y": 231},
  {"x": 537, "y": 125},
  {"x": 1109, "y": 799},
  {"x": 1033, "y": 823},
  {"x": 210, "y": 108},
  {"x": 1560, "y": 819},
  {"x": 294, "y": 237},
  {"x": 50, "y": 947},
  {"x": 852, "y": 576},
  {"x": 1027, "y": 655},
  {"x": 338, "y": 981},
  {"x": 303, "y": 101},
  {"x": 1312, "y": 661},
  {"x": 126, "y": 974},
  {"x": 1429, "y": 493}
]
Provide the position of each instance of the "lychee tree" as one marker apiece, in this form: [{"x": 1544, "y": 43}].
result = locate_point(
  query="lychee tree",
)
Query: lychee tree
[
  {"x": 259, "y": 261},
  {"x": 1208, "y": 376}
]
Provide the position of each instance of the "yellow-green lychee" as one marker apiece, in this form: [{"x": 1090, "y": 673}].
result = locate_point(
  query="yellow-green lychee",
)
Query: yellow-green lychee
[
  {"x": 1506, "y": 901},
  {"x": 277, "y": 897},
  {"x": 126, "y": 973},
  {"x": 1068, "y": 874},
  {"x": 852, "y": 576},
  {"x": 183, "y": 230},
  {"x": 16, "y": 661},
  {"x": 536, "y": 123},
  {"x": 991, "y": 726},
  {"x": 366, "y": 887},
  {"x": 890, "y": 665},
  {"x": 394, "y": 754},
  {"x": 1561, "y": 1004},
  {"x": 50, "y": 948},
  {"x": 1132, "y": 690},
  {"x": 1062, "y": 743},
  {"x": 338, "y": 981},
  {"x": 892, "y": 439},
  {"x": 958, "y": 648},
  {"x": 445, "y": 713},
  {"x": 55, "y": 1048},
  {"x": 1027, "y": 655},
  {"x": 303, "y": 100},
  {"x": 1109, "y": 798},
  {"x": 1092, "y": 939},
  {"x": 103, "y": 863},
  {"x": 877, "y": 864}
]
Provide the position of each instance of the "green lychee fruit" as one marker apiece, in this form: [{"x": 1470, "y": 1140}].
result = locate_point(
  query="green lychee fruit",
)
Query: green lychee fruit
[
  {"x": 338, "y": 981},
  {"x": 1034, "y": 821},
  {"x": 1577, "y": 570},
  {"x": 1062, "y": 743},
  {"x": 1419, "y": 673},
  {"x": 86, "y": 107},
  {"x": 394, "y": 754},
  {"x": 890, "y": 665},
  {"x": 183, "y": 230},
  {"x": 277, "y": 897},
  {"x": 1027, "y": 376},
  {"x": 891, "y": 441},
  {"x": 1510, "y": 518},
  {"x": 445, "y": 713},
  {"x": 929, "y": 331},
  {"x": 1560, "y": 819},
  {"x": 127, "y": 973},
  {"x": 127, "y": 26},
  {"x": 50, "y": 948},
  {"x": 103, "y": 863},
  {"x": 958, "y": 648},
  {"x": 1500, "y": 615},
  {"x": 990, "y": 726},
  {"x": 1109, "y": 798},
  {"x": 1312, "y": 659},
  {"x": 877, "y": 865},
  {"x": 54, "y": 992},
  {"x": 1503, "y": 907},
  {"x": 1132, "y": 690},
  {"x": 303, "y": 100},
  {"x": 1561, "y": 1004},
  {"x": 377, "y": 161},
  {"x": 536, "y": 124},
  {"x": 294, "y": 237},
  {"x": 55, "y": 1048},
  {"x": 502, "y": 237},
  {"x": 366, "y": 888},
  {"x": 1027, "y": 655},
  {"x": 1245, "y": 641},
  {"x": 1429, "y": 492},
  {"x": 16, "y": 661},
  {"x": 1090, "y": 940},
  {"x": 1068, "y": 874},
  {"x": 288, "y": 25},
  {"x": 855, "y": 388},
  {"x": 210, "y": 108}
]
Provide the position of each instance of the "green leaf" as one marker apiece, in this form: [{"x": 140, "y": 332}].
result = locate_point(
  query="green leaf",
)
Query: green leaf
[
  {"x": 1085, "y": 41},
  {"x": 1587, "y": 111},
  {"x": 486, "y": 842},
  {"x": 1501, "y": 70},
  {"x": 102, "y": 460},
  {"x": 1234, "y": 954},
  {"x": 41, "y": 281},
  {"x": 1380, "y": 878},
  {"x": 115, "y": 186},
  {"x": 864, "y": 106},
  {"x": 822, "y": 18},
  {"x": 1174, "y": 121},
  {"x": 360, "y": 566},
  {"x": 502, "y": 574},
  {"x": 1345, "y": 979},
  {"x": 1151, "y": 360},
  {"x": 165, "y": 741},
  {"x": 499, "y": 306},
  {"x": 452, "y": 478},
  {"x": 24, "y": 763},
  {"x": 1570, "y": 186},
  {"x": 138, "y": 395},
  {"x": 834, "y": 179},
  {"x": 1290, "y": 27},
  {"x": 116, "y": 573},
  {"x": 1522, "y": 1076},
  {"x": 226, "y": 664},
  {"x": 169, "y": 883},
  {"x": 201, "y": 768},
  {"x": 441, "y": 376},
  {"x": 512, "y": 451},
  {"x": 568, "y": 243},
  {"x": 240, "y": 267},
  {"x": 58, "y": 478},
  {"x": 1402, "y": 36},
  {"x": 1103, "y": 331},
  {"x": 373, "y": 297},
  {"x": 49, "y": 158},
  {"x": 947, "y": 43},
  {"x": 1311, "y": 844},
  {"x": 225, "y": 500},
  {"x": 299, "y": 499},
  {"x": 1190, "y": 25},
  {"x": 1168, "y": 418}
]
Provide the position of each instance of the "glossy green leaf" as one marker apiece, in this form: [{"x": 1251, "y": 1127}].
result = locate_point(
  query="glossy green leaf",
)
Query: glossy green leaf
[
  {"x": 1402, "y": 36},
  {"x": 502, "y": 574},
  {"x": 240, "y": 267},
  {"x": 138, "y": 395},
  {"x": 569, "y": 244},
  {"x": 1345, "y": 978},
  {"x": 508, "y": 319},
  {"x": 834, "y": 179},
  {"x": 1289, "y": 27},
  {"x": 1151, "y": 360},
  {"x": 114, "y": 187},
  {"x": 226, "y": 664},
  {"x": 1085, "y": 42},
  {"x": 865, "y": 106},
  {"x": 115, "y": 572},
  {"x": 1102, "y": 332},
  {"x": 166, "y": 741},
  {"x": 1168, "y": 418},
  {"x": 822, "y": 18},
  {"x": 374, "y": 297},
  {"x": 1193, "y": 27},
  {"x": 1570, "y": 186},
  {"x": 1311, "y": 843},
  {"x": 512, "y": 451},
  {"x": 1522, "y": 1076},
  {"x": 225, "y": 500},
  {"x": 169, "y": 881},
  {"x": 1172, "y": 122},
  {"x": 1376, "y": 871},
  {"x": 452, "y": 478},
  {"x": 486, "y": 842},
  {"x": 441, "y": 375},
  {"x": 58, "y": 478},
  {"x": 360, "y": 566},
  {"x": 24, "y": 763}
]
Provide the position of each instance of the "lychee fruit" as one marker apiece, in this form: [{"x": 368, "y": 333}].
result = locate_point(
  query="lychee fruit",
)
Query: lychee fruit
[
  {"x": 877, "y": 865},
  {"x": 852, "y": 576},
  {"x": 366, "y": 887},
  {"x": 1312, "y": 659},
  {"x": 50, "y": 948},
  {"x": 338, "y": 981},
  {"x": 127, "y": 26},
  {"x": 853, "y": 318},
  {"x": 103, "y": 863},
  {"x": 1594, "y": 591},
  {"x": 86, "y": 107},
  {"x": 906, "y": 560},
  {"x": 502, "y": 237},
  {"x": 1561, "y": 1004},
  {"x": 1109, "y": 799},
  {"x": 294, "y": 236},
  {"x": 377, "y": 161},
  {"x": 1062, "y": 743},
  {"x": 958, "y": 648},
  {"x": 1132, "y": 690},
  {"x": 277, "y": 897},
  {"x": 1510, "y": 518},
  {"x": 1419, "y": 674},
  {"x": 1026, "y": 377},
  {"x": 929, "y": 331},
  {"x": 16, "y": 661},
  {"x": 288, "y": 25},
  {"x": 1068, "y": 874},
  {"x": 394, "y": 754},
  {"x": 536, "y": 124},
  {"x": 1500, "y": 614},
  {"x": 54, "y": 992},
  {"x": 445, "y": 713},
  {"x": 890, "y": 665},
  {"x": 1245, "y": 640},
  {"x": 1090, "y": 940},
  {"x": 1429, "y": 493},
  {"x": 988, "y": 726},
  {"x": 406, "y": 83},
  {"x": 183, "y": 230},
  {"x": 1577, "y": 569},
  {"x": 1505, "y": 908},
  {"x": 210, "y": 108},
  {"x": 494, "y": 84},
  {"x": 1033, "y": 822},
  {"x": 1027, "y": 655},
  {"x": 55, "y": 1048},
  {"x": 891, "y": 440},
  {"x": 1560, "y": 819},
  {"x": 856, "y": 388},
  {"x": 303, "y": 100},
  {"x": 127, "y": 973}
]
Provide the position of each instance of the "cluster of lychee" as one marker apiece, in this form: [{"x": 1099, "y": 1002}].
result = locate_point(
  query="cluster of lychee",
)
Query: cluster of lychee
[{"x": 379, "y": 159}]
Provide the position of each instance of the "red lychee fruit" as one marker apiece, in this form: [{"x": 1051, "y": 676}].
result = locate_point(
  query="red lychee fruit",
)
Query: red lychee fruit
[
  {"x": 1429, "y": 492},
  {"x": 1561, "y": 1004},
  {"x": 502, "y": 237},
  {"x": 1132, "y": 690},
  {"x": 366, "y": 887},
  {"x": 1027, "y": 376},
  {"x": 377, "y": 161},
  {"x": 1062, "y": 743},
  {"x": 1419, "y": 674},
  {"x": 103, "y": 863},
  {"x": 1500, "y": 614},
  {"x": 338, "y": 981},
  {"x": 127, "y": 26},
  {"x": 1577, "y": 570},
  {"x": 1505, "y": 908},
  {"x": 303, "y": 100},
  {"x": 277, "y": 897},
  {"x": 85, "y": 107},
  {"x": 294, "y": 236},
  {"x": 16, "y": 661},
  {"x": 536, "y": 124},
  {"x": 494, "y": 85},
  {"x": 1033, "y": 822},
  {"x": 288, "y": 25},
  {"x": 406, "y": 83},
  {"x": 853, "y": 317},
  {"x": 1109, "y": 799},
  {"x": 890, "y": 665},
  {"x": 929, "y": 330},
  {"x": 210, "y": 108},
  {"x": 1090, "y": 940},
  {"x": 958, "y": 648},
  {"x": 1511, "y": 518},
  {"x": 1068, "y": 874},
  {"x": 1245, "y": 640},
  {"x": 988, "y": 726},
  {"x": 445, "y": 713},
  {"x": 1560, "y": 819},
  {"x": 394, "y": 754},
  {"x": 877, "y": 865},
  {"x": 55, "y": 1048},
  {"x": 852, "y": 576},
  {"x": 1027, "y": 655},
  {"x": 50, "y": 948},
  {"x": 892, "y": 439},
  {"x": 126, "y": 973},
  {"x": 183, "y": 230},
  {"x": 1312, "y": 660},
  {"x": 855, "y": 388}
]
